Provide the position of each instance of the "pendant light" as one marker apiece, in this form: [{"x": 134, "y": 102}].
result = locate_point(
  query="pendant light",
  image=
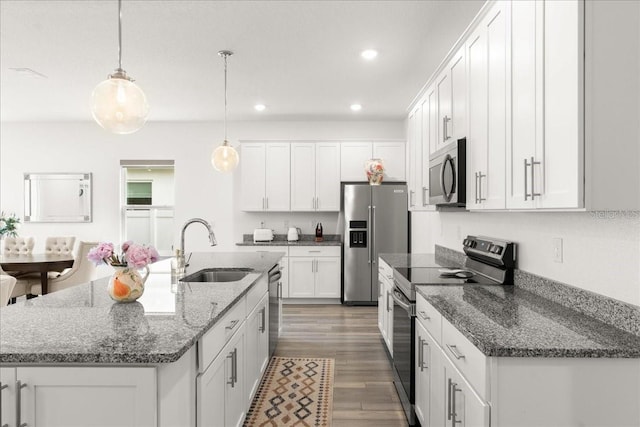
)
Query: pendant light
[
  {"x": 225, "y": 157},
  {"x": 118, "y": 104}
]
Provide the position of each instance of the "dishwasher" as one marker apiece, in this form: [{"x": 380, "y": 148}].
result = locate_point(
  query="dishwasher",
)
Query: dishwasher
[{"x": 275, "y": 307}]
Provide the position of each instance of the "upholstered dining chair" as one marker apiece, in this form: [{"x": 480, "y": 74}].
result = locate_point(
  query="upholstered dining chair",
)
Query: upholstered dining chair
[
  {"x": 59, "y": 245},
  {"x": 7, "y": 283},
  {"x": 18, "y": 245},
  {"x": 83, "y": 271}
]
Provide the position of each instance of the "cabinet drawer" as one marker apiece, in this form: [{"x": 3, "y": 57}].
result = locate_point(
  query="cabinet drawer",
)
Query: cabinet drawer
[
  {"x": 315, "y": 251},
  {"x": 256, "y": 293},
  {"x": 215, "y": 338},
  {"x": 430, "y": 318},
  {"x": 466, "y": 357},
  {"x": 385, "y": 270},
  {"x": 262, "y": 248}
]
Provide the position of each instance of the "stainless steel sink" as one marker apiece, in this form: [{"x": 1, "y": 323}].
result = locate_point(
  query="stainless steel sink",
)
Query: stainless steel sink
[{"x": 218, "y": 275}]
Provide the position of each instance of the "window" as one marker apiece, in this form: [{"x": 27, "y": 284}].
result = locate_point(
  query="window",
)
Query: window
[{"x": 139, "y": 192}]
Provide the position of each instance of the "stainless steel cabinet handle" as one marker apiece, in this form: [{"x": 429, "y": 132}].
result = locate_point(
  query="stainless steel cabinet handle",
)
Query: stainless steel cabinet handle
[
  {"x": 476, "y": 187},
  {"x": 423, "y": 365},
  {"x": 454, "y": 390},
  {"x": 234, "y": 367},
  {"x": 411, "y": 204},
  {"x": 2, "y": 387},
  {"x": 230, "y": 356},
  {"x": 526, "y": 194},
  {"x": 533, "y": 181},
  {"x": 264, "y": 320},
  {"x": 232, "y": 324},
  {"x": 454, "y": 350},
  {"x": 279, "y": 293},
  {"x": 390, "y": 276},
  {"x": 388, "y": 295},
  {"x": 19, "y": 386},
  {"x": 480, "y": 176},
  {"x": 314, "y": 252},
  {"x": 424, "y": 196},
  {"x": 380, "y": 285},
  {"x": 263, "y": 203},
  {"x": 419, "y": 359},
  {"x": 449, "y": 384},
  {"x": 424, "y": 315}
]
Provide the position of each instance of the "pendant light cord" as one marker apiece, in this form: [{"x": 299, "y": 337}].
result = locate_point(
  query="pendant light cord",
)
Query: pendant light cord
[
  {"x": 225, "y": 98},
  {"x": 119, "y": 35}
]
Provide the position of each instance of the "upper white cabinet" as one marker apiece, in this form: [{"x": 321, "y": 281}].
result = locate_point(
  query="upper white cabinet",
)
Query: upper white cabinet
[
  {"x": 418, "y": 134},
  {"x": 265, "y": 176},
  {"x": 315, "y": 176},
  {"x": 354, "y": 155},
  {"x": 487, "y": 50},
  {"x": 545, "y": 157}
]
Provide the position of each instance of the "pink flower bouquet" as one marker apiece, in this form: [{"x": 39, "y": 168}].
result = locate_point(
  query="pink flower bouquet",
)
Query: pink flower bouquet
[{"x": 132, "y": 255}]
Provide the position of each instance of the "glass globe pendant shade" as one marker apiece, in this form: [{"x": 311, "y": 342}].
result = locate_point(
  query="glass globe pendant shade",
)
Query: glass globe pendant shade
[
  {"x": 119, "y": 105},
  {"x": 224, "y": 158}
]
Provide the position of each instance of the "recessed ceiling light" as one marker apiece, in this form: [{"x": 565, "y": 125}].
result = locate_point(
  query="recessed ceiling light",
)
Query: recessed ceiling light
[
  {"x": 260, "y": 107},
  {"x": 369, "y": 54},
  {"x": 356, "y": 107}
]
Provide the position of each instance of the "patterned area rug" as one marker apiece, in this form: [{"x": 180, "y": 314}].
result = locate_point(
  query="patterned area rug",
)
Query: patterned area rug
[{"x": 294, "y": 392}]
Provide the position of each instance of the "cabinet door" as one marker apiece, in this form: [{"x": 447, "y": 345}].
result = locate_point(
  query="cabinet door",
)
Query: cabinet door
[
  {"x": 61, "y": 396},
  {"x": 422, "y": 155},
  {"x": 252, "y": 176},
  {"x": 458, "y": 75},
  {"x": 422, "y": 369},
  {"x": 443, "y": 87},
  {"x": 211, "y": 386},
  {"x": 277, "y": 176},
  {"x": 526, "y": 100},
  {"x": 389, "y": 317},
  {"x": 381, "y": 306},
  {"x": 464, "y": 407},
  {"x": 284, "y": 269},
  {"x": 301, "y": 277},
  {"x": 235, "y": 400},
  {"x": 412, "y": 143},
  {"x": 432, "y": 97},
  {"x": 492, "y": 181},
  {"x": 252, "y": 362},
  {"x": 7, "y": 396},
  {"x": 393, "y": 155},
  {"x": 303, "y": 176},
  {"x": 353, "y": 156},
  {"x": 477, "y": 119},
  {"x": 327, "y": 277},
  {"x": 327, "y": 176},
  {"x": 263, "y": 337}
]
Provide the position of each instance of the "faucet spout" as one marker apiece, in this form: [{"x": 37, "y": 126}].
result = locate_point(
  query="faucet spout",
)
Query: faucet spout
[{"x": 212, "y": 236}]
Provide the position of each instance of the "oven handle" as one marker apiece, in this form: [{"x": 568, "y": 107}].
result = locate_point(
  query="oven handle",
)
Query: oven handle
[{"x": 402, "y": 301}]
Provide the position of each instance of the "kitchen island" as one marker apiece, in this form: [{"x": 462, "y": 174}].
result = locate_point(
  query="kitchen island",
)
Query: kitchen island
[{"x": 89, "y": 360}]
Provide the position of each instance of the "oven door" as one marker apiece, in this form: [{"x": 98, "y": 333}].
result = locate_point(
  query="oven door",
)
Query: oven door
[{"x": 403, "y": 343}]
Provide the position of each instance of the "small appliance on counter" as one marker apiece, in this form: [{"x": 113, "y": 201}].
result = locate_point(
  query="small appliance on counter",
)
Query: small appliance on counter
[
  {"x": 293, "y": 235},
  {"x": 488, "y": 261},
  {"x": 262, "y": 235},
  {"x": 319, "y": 236}
]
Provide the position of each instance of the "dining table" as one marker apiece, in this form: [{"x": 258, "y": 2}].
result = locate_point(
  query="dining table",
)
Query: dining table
[{"x": 36, "y": 263}]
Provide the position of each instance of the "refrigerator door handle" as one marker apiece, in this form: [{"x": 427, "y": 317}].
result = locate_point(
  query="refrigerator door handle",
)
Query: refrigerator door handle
[
  {"x": 373, "y": 241},
  {"x": 369, "y": 233}
]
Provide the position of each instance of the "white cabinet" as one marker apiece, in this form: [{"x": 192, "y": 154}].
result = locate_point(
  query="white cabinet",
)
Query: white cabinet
[
  {"x": 423, "y": 369},
  {"x": 265, "y": 176},
  {"x": 418, "y": 143},
  {"x": 545, "y": 157},
  {"x": 315, "y": 176},
  {"x": 314, "y": 272},
  {"x": 65, "y": 396},
  {"x": 257, "y": 344},
  {"x": 354, "y": 155},
  {"x": 385, "y": 304},
  {"x": 221, "y": 397},
  {"x": 487, "y": 50},
  {"x": 464, "y": 407}
]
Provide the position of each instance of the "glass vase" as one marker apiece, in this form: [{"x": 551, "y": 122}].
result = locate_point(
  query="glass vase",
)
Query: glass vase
[{"x": 126, "y": 284}]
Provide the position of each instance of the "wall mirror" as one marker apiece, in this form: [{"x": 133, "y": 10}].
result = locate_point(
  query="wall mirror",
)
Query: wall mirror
[{"x": 57, "y": 197}]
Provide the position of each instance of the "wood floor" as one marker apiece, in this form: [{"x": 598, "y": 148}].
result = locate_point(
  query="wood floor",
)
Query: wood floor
[{"x": 363, "y": 394}]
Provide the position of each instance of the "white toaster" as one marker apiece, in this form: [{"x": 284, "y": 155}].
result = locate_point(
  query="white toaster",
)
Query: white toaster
[{"x": 262, "y": 235}]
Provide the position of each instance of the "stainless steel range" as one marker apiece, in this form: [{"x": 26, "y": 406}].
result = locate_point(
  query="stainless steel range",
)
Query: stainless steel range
[{"x": 488, "y": 261}]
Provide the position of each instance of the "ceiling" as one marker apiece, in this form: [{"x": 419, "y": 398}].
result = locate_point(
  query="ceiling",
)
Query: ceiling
[{"x": 299, "y": 58}]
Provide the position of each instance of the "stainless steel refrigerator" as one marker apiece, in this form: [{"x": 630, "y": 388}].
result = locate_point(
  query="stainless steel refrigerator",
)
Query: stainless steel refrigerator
[{"x": 376, "y": 221}]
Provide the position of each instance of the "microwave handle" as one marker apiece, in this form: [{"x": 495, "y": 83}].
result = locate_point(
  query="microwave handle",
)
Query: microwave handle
[{"x": 447, "y": 196}]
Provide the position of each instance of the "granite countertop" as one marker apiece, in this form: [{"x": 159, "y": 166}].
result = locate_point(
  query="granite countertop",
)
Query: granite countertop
[
  {"x": 400, "y": 260},
  {"x": 507, "y": 321},
  {"x": 83, "y": 325},
  {"x": 281, "y": 240}
]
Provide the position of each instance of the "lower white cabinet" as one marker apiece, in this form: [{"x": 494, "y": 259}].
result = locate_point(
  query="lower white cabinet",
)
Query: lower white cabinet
[
  {"x": 314, "y": 272},
  {"x": 257, "y": 339},
  {"x": 220, "y": 388},
  {"x": 385, "y": 304},
  {"x": 463, "y": 406},
  {"x": 78, "y": 396}
]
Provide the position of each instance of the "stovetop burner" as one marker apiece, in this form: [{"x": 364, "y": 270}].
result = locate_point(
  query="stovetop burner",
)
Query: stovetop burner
[{"x": 489, "y": 262}]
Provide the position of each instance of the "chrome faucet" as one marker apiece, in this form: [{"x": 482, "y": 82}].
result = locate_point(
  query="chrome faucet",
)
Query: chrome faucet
[{"x": 212, "y": 236}]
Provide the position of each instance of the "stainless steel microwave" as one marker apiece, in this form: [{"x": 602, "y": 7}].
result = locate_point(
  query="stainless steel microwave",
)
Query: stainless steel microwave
[{"x": 447, "y": 175}]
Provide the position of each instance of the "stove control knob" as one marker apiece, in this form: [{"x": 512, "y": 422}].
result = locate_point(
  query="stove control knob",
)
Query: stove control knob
[{"x": 497, "y": 250}]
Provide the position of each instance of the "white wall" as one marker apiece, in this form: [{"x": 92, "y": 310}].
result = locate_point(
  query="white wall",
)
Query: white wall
[
  {"x": 199, "y": 189},
  {"x": 601, "y": 249}
]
